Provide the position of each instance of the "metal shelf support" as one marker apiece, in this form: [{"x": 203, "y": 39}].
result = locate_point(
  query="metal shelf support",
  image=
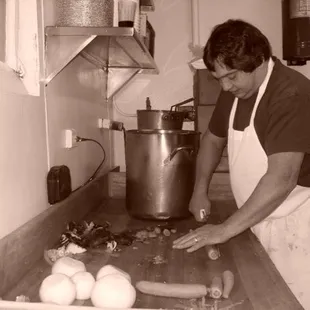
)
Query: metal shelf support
[{"x": 119, "y": 51}]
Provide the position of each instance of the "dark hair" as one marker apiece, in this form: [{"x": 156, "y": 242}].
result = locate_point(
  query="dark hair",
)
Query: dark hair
[{"x": 238, "y": 45}]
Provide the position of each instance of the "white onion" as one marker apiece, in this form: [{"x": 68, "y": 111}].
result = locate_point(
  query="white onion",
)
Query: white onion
[
  {"x": 68, "y": 266},
  {"x": 57, "y": 289},
  {"x": 113, "y": 291},
  {"x": 84, "y": 283},
  {"x": 110, "y": 269}
]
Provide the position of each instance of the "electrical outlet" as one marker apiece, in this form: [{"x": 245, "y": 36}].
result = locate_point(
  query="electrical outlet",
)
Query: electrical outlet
[
  {"x": 100, "y": 122},
  {"x": 109, "y": 124},
  {"x": 70, "y": 138}
]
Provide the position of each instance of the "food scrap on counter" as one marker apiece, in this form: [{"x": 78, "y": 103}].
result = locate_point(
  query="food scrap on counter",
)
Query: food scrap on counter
[
  {"x": 202, "y": 304},
  {"x": 22, "y": 298},
  {"x": 144, "y": 235},
  {"x": 80, "y": 237},
  {"x": 158, "y": 259}
]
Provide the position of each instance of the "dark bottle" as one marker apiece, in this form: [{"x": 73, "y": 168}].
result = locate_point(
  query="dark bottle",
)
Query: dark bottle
[{"x": 296, "y": 32}]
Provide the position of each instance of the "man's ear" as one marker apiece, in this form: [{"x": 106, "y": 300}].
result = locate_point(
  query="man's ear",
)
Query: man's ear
[{"x": 263, "y": 61}]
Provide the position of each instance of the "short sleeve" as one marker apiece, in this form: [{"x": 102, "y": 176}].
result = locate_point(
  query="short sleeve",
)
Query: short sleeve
[
  {"x": 219, "y": 121},
  {"x": 288, "y": 128}
]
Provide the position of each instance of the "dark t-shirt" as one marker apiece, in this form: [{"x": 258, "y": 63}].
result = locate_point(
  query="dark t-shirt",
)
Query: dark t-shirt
[{"x": 282, "y": 119}]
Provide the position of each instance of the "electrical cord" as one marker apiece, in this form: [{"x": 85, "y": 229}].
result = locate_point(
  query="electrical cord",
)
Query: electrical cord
[
  {"x": 125, "y": 137},
  {"x": 120, "y": 111},
  {"x": 80, "y": 139}
]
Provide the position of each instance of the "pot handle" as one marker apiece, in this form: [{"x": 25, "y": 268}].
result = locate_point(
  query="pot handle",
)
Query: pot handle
[
  {"x": 181, "y": 103},
  {"x": 187, "y": 148}
]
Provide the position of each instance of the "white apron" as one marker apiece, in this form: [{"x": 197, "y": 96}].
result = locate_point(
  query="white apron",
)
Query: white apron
[{"x": 285, "y": 233}]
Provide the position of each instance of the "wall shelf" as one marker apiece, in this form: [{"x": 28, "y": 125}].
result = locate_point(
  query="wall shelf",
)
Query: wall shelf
[{"x": 119, "y": 51}]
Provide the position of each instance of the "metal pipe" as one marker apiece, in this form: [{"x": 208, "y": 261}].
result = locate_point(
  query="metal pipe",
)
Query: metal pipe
[{"x": 195, "y": 23}]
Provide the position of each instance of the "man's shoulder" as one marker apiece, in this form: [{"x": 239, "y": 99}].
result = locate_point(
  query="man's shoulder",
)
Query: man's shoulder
[{"x": 286, "y": 82}]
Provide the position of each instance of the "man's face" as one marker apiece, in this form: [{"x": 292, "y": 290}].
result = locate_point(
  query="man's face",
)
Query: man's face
[{"x": 241, "y": 84}]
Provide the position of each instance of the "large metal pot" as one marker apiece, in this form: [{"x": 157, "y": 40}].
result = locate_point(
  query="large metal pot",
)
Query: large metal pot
[{"x": 160, "y": 172}]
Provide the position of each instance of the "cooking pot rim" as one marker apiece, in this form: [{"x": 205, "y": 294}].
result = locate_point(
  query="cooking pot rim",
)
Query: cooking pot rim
[
  {"x": 161, "y": 111},
  {"x": 163, "y": 131}
]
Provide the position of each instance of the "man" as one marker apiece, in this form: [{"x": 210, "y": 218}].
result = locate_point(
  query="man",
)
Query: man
[{"x": 263, "y": 114}]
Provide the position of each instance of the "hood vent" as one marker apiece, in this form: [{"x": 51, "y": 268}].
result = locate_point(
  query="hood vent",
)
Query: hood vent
[{"x": 118, "y": 51}]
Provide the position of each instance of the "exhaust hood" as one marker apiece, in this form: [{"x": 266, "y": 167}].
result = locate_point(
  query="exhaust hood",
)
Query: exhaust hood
[{"x": 118, "y": 51}]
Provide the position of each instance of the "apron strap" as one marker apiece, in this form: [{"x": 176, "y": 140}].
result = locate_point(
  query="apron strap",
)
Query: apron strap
[
  {"x": 232, "y": 113},
  {"x": 262, "y": 89}
]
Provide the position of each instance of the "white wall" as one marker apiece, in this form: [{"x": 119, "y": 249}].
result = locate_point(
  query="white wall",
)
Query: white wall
[
  {"x": 73, "y": 104},
  {"x": 172, "y": 23},
  {"x": 31, "y": 133},
  {"x": 2, "y": 29},
  {"x": 75, "y": 99},
  {"x": 265, "y": 14},
  {"x": 23, "y": 157}
]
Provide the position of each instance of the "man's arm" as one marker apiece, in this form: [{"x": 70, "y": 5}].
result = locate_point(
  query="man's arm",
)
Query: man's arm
[
  {"x": 273, "y": 188},
  {"x": 209, "y": 155}
]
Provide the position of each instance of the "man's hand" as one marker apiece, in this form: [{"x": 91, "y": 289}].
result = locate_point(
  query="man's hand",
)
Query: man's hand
[
  {"x": 202, "y": 236},
  {"x": 200, "y": 206}
]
